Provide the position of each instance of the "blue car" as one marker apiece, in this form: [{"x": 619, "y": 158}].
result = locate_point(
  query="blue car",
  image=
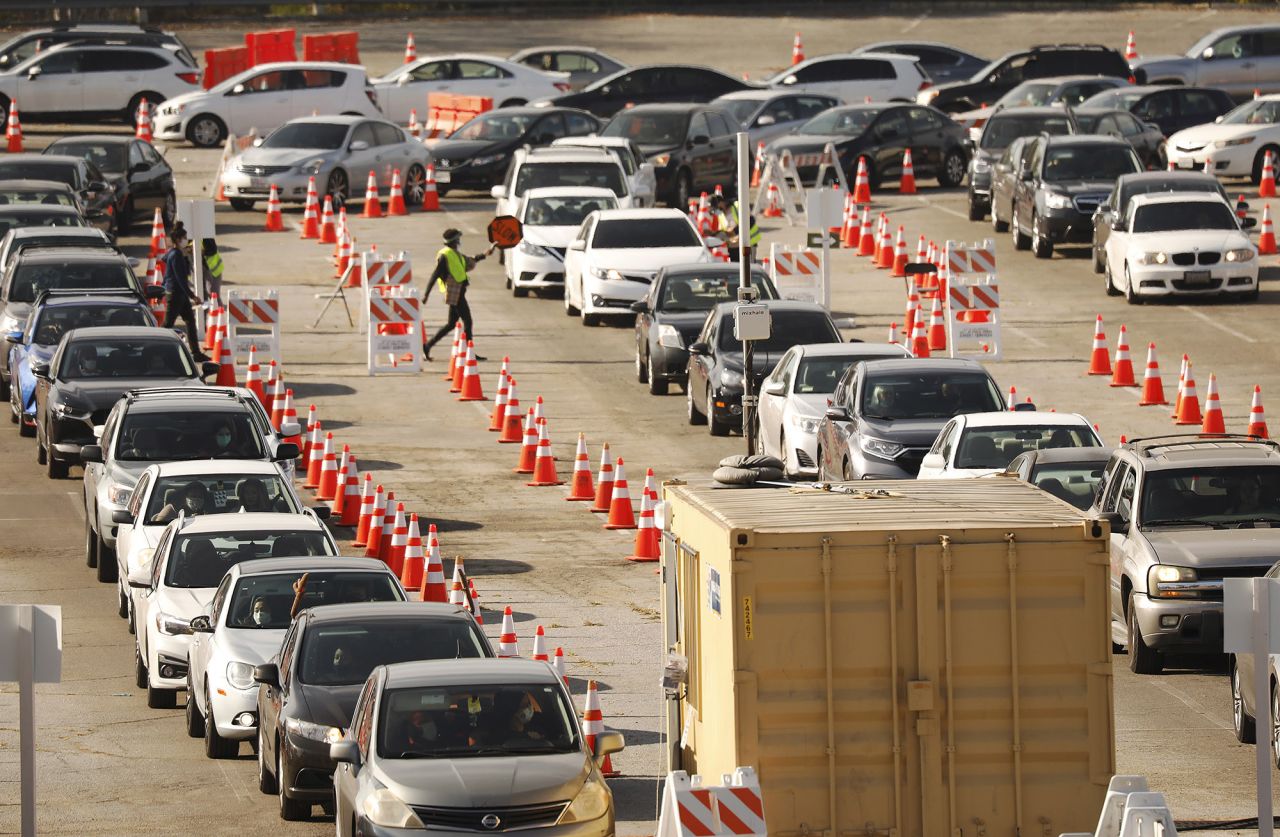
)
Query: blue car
[{"x": 54, "y": 314}]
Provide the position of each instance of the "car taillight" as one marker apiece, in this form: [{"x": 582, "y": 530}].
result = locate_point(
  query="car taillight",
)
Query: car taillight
[
  {"x": 563, "y": 86},
  {"x": 372, "y": 94},
  {"x": 190, "y": 78},
  {"x": 924, "y": 85}
]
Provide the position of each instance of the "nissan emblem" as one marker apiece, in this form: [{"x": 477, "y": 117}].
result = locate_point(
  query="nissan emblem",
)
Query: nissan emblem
[{"x": 491, "y": 821}]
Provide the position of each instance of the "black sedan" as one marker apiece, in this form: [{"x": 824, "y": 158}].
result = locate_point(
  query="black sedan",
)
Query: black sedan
[
  {"x": 142, "y": 179},
  {"x": 1171, "y": 107},
  {"x": 307, "y": 693},
  {"x": 654, "y": 83},
  {"x": 716, "y": 364},
  {"x": 92, "y": 368},
  {"x": 881, "y": 133},
  {"x": 669, "y": 318},
  {"x": 477, "y": 155},
  {"x": 97, "y": 196},
  {"x": 1070, "y": 474},
  {"x": 942, "y": 62},
  {"x": 692, "y": 147},
  {"x": 1145, "y": 137}
]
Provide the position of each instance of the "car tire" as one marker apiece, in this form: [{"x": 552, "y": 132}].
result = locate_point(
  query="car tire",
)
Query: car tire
[
  {"x": 56, "y": 468},
  {"x": 90, "y": 546},
  {"x": 1020, "y": 240},
  {"x": 1130, "y": 295},
  {"x": 1109, "y": 282},
  {"x": 684, "y": 189},
  {"x": 691, "y": 410},
  {"x": 714, "y": 425},
  {"x": 657, "y": 385},
  {"x": 996, "y": 224},
  {"x": 242, "y": 204},
  {"x": 782, "y": 453},
  {"x": 951, "y": 174},
  {"x": 139, "y": 670},
  {"x": 519, "y": 293},
  {"x": 1142, "y": 660},
  {"x": 42, "y": 453},
  {"x": 591, "y": 320},
  {"x": 162, "y": 698},
  {"x": 1275, "y": 725},
  {"x": 569, "y": 309},
  {"x": 291, "y": 810},
  {"x": 1242, "y": 723},
  {"x": 415, "y": 185},
  {"x": 206, "y": 131},
  {"x": 642, "y": 368},
  {"x": 25, "y": 430},
  {"x": 153, "y": 98},
  {"x": 976, "y": 212},
  {"x": 1041, "y": 244},
  {"x": 1098, "y": 265},
  {"x": 215, "y": 746},
  {"x": 266, "y": 779},
  {"x": 108, "y": 572},
  {"x": 338, "y": 187},
  {"x": 195, "y": 721},
  {"x": 122, "y": 602},
  {"x": 1256, "y": 174},
  {"x": 846, "y": 473}
]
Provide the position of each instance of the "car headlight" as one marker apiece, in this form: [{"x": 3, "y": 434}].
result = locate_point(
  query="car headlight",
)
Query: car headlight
[
  {"x": 1057, "y": 200},
  {"x": 383, "y": 809},
  {"x": 1230, "y": 142},
  {"x": 614, "y": 275},
  {"x": 598, "y": 272},
  {"x": 70, "y": 411},
  {"x": 807, "y": 424},
  {"x": 171, "y": 625},
  {"x": 240, "y": 675},
  {"x": 173, "y": 110},
  {"x": 1153, "y": 258},
  {"x": 487, "y": 160},
  {"x": 145, "y": 556},
  {"x": 925, "y": 97},
  {"x": 1244, "y": 254},
  {"x": 881, "y": 448},
  {"x": 668, "y": 336},
  {"x": 529, "y": 248},
  {"x": 661, "y": 161},
  {"x": 119, "y": 494},
  {"x": 1163, "y": 581},
  {"x": 10, "y": 323},
  {"x": 730, "y": 378},
  {"x": 981, "y": 165},
  {"x": 591, "y": 803},
  {"x": 306, "y": 729}
]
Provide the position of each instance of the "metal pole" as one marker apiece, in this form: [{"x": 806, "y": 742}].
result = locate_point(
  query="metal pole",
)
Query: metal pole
[
  {"x": 745, "y": 292},
  {"x": 1262, "y": 702},
  {"x": 27, "y": 717}
]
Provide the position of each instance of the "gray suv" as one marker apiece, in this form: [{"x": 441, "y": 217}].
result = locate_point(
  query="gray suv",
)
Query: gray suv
[
  {"x": 1238, "y": 59},
  {"x": 1186, "y": 511}
]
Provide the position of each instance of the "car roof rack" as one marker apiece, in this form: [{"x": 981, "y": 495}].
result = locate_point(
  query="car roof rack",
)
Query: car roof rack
[
  {"x": 149, "y": 392},
  {"x": 45, "y": 293},
  {"x": 1144, "y": 444}
]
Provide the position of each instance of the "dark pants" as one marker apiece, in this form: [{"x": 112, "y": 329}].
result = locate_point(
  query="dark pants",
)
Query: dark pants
[
  {"x": 458, "y": 311},
  {"x": 176, "y": 306}
]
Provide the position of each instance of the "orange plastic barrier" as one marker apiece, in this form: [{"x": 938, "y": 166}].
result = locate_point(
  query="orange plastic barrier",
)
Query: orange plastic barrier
[
  {"x": 334, "y": 46},
  {"x": 346, "y": 47},
  {"x": 273, "y": 45},
  {"x": 447, "y": 111},
  {"x": 222, "y": 64}
]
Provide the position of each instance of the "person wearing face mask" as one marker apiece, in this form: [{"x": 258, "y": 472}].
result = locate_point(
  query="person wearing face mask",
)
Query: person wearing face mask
[
  {"x": 87, "y": 362},
  {"x": 522, "y": 720},
  {"x": 223, "y": 437},
  {"x": 451, "y": 274},
  {"x": 195, "y": 500},
  {"x": 260, "y": 614},
  {"x": 420, "y": 734}
]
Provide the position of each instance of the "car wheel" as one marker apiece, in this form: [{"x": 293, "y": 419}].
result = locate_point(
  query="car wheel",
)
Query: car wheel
[
  {"x": 642, "y": 368},
  {"x": 1020, "y": 241},
  {"x": 569, "y": 309},
  {"x": 215, "y": 746},
  {"x": 657, "y": 385},
  {"x": 592, "y": 320},
  {"x": 107, "y": 570},
  {"x": 1098, "y": 266},
  {"x": 139, "y": 670},
  {"x": 1041, "y": 244},
  {"x": 951, "y": 174},
  {"x": 782, "y": 452},
  {"x": 122, "y": 602},
  {"x": 26, "y": 430},
  {"x": 42, "y": 453},
  {"x": 846, "y": 473},
  {"x": 90, "y": 546},
  {"x": 290, "y": 809},
  {"x": 195, "y": 721},
  {"x": 206, "y": 131},
  {"x": 162, "y": 698},
  {"x": 976, "y": 212},
  {"x": 266, "y": 780},
  {"x": 242, "y": 204},
  {"x": 56, "y": 467},
  {"x": 338, "y": 187},
  {"x": 519, "y": 293},
  {"x": 415, "y": 185},
  {"x": 1142, "y": 660},
  {"x": 1242, "y": 722},
  {"x": 714, "y": 425},
  {"x": 694, "y": 416},
  {"x": 996, "y": 224},
  {"x": 1275, "y": 724},
  {"x": 130, "y": 111},
  {"x": 1258, "y": 159},
  {"x": 684, "y": 190},
  {"x": 1130, "y": 293}
]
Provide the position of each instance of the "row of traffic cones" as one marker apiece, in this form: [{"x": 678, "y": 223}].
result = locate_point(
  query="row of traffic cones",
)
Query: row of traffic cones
[{"x": 322, "y": 225}]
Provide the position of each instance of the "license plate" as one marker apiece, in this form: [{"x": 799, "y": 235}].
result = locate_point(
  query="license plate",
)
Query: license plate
[
  {"x": 1196, "y": 277},
  {"x": 257, "y": 183},
  {"x": 442, "y": 177}
]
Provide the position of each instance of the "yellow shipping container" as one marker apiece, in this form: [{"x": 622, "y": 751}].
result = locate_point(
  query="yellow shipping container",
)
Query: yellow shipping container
[{"x": 912, "y": 658}]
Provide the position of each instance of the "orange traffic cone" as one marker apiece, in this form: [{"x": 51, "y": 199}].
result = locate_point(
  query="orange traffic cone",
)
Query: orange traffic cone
[
  {"x": 410, "y": 50},
  {"x": 558, "y": 666},
  {"x": 380, "y": 529},
  {"x": 919, "y": 339},
  {"x": 912, "y": 314},
  {"x": 319, "y": 449},
  {"x": 755, "y": 167},
  {"x": 507, "y": 644},
  {"x": 372, "y": 206},
  {"x": 460, "y": 364},
  {"x": 937, "y": 328},
  {"x": 457, "y": 588},
  {"x": 373, "y": 533},
  {"x": 498, "y": 416},
  {"x": 1130, "y": 48},
  {"x": 884, "y": 251},
  {"x": 1182, "y": 380},
  {"x": 1152, "y": 387},
  {"x": 311, "y": 212},
  {"x": 646, "y": 545},
  {"x": 346, "y": 508},
  {"x": 528, "y": 450},
  {"x": 275, "y": 219},
  {"x": 327, "y": 488},
  {"x": 773, "y": 204},
  {"x": 433, "y": 586},
  {"x": 340, "y": 495},
  {"x": 862, "y": 183},
  {"x": 1188, "y": 400},
  {"x": 1213, "y": 422},
  {"x": 797, "y": 50},
  {"x": 368, "y": 499},
  {"x": 312, "y": 438},
  {"x": 477, "y": 612},
  {"x": 1013, "y": 398},
  {"x": 253, "y": 377},
  {"x": 1267, "y": 184},
  {"x": 226, "y": 366},
  {"x": 899, "y": 256},
  {"x": 1123, "y": 375},
  {"x": 430, "y": 197},
  {"x": 540, "y": 646},
  {"x": 544, "y": 469},
  {"x": 414, "y": 127},
  {"x": 328, "y": 227},
  {"x": 580, "y": 486},
  {"x": 13, "y": 133},
  {"x": 399, "y": 541},
  {"x": 860, "y": 237},
  {"x": 142, "y": 121},
  {"x": 458, "y": 344},
  {"x": 604, "y": 482},
  {"x": 851, "y": 227},
  {"x": 1267, "y": 240},
  {"x": 471, "y": 378},
  {"x": 395, "y": 204},
  {"x": 1257, "y": 418},
  {"x": 907, "y": 185},
  {"x": 512, "y": 429},
  {"x": 290, "y": 416},
  {"x": 1099, "y": 359},
  {"x": 414, "y": 564},
  {"x": 593, "y": 727},
  {"x": 621, "y": 515},
  {"x": 157, "y": 234}
]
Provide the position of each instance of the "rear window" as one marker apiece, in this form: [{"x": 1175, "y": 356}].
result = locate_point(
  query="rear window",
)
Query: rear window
[
  {"x": 30, "y": 279},
  {"x": 1003, "y": 130},
  {"x": 217, "y": 494},
  {"x": 168, "y": 435},
  {"x": 790, "y": 328},
  {"x": 200, "y": 561},
  {"x": 265, "y": 602},
  {"x": 106, "y": 156},
  {"x": 344, "y": 654},
  {"x": 19, "y": 195},
  {"x": 57, "y": 321},
  {"x": 656, "y": 232},
  {"x": 37, "y": 170},
  {"x": 534, "y": 175}
]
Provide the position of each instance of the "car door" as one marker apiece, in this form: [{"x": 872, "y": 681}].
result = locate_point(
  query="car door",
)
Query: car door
[
  {"x": 112, "y": 76},
  {"x": 412, "y": 88},
  {"x": 57, "y": 87},
  {"x": 362, "y": 155},
  {"x": 699, "y": 153},
  {"x": 633, "y": 88},
  {"x": 146, "y": 179},
  {"x": 582, "y": 68},
  {"x": 574, "y": 258},
  {"x": 1026, "y": 176},
  {"x": 259, "y": 102},
  {"x": 93, "y": 470},
  {"x": 1266, "y": 49},
  {"x": 772, "y": 405},
  {"x": 579, "y": 125},
  {"x": 1230, "y": 63},
  {"x": 272, "y": 697},
  {"x": 345, "y": 782},
  {"x": 722, "y": 149},
  {"x": 1195, "y": 107},
  {"x": 1121, "y": 490},
  {"x": 316, "y": 91},
  {"x": 137, "y": 505},
  {"x": 201, "y": 647},
  {"x": 821, "y": 76},
  {"x": 547, "y": 130},
  {"x": 890, "y": 136},
  {"x": 700, "y": 366},
  {"x": 473, "y": 77},
  {"x": 391, "y": 153},
  {"x": 1118, "y": 242},
  {"x": 928, "y": 141},
  {"x": 1146, "y": 141},
  {"x": 142, "y": 599},
  {"x": 1102, "y": 218}
]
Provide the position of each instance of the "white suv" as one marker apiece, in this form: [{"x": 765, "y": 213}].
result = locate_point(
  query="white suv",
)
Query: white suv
[
  {"x": 539, "y": 167},
  {"x": 264, "y": 98},
  {"x": 884, "y": 77},
  {"x": 96, "y": 79}
]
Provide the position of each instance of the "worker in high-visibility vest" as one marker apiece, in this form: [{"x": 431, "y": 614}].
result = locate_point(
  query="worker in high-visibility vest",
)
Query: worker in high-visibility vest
[
  {"x": 753, "y": 234},
  {"x": 451, "y": 275},
  {"x": 212, "y": 268}
]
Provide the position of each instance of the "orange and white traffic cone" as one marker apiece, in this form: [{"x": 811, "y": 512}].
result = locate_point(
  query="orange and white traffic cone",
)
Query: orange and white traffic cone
[
  {"x": 395, "y": 204},
  {"x": 919, "y": 339},
  {"x": 912, "y": 314},
  {"x": 345, "y": 245},
  {"x": 866, "y": 236},
  {"x": 899, "y": 270},
  {"x": 755, "y": 167},
  {"x": 328, "y": 227},
  {"x": 460, "y": 364},
  {"x": 477, "y": 612},
  {"x": 372, "y": 206},
  {"x": 907, "y": 185},
  {"x": 850, "y": 228},
  {"x": 430, "y": 196},
  {"x": 544, "y": 469},
  {"x": 497, "y": 417},
  {"x": 593, "y": 726},
  {"x": 581, "y": 487},
  {"x": 1267, "y": 239},
  {"x": 1213, "y": 421},
  {"x": 558, "y": 666},
  {"x": 797, "y": 50},
  {"x": 862, "y": 183},
  {"x": 604, "y": 482},
  {"x": 13, "y": 132},
  {"x": 1267, "y": 183},
  {"x": 346, "y": 508},
  {"x": 1152, "y": 386},
  {"x": 471, "y": 390},
  {"x": 226, "y": 366},
  {"x": 621, "y": 515},
  {"x": 433, "y": 586},
  {"x": 368, "y": 501},
  {"x": 253, "y": 377},
  {"x": 884, "y": 256},
  {"x": 410, "y": 50},
  {"x": 528, "y": 450},
  {"x": 1189, "y": 400},
  {"x": 142, "y": 122},
  {"x": 275, "y": 218},
  {"x": 373, "y": 537},
  {"x": 387, "y": 529},
  {"x": 1013, "y": 398},
  {"x": 1182, "y": 380},
  {"x": 1099, "y": 358},
  {"x": 456, "y": 351},
  {"x": 290, "y": 416},
  {"x": 1257, "y": 418},
  {"x": 318, "y": 449},
  {"x": 414, "y": 563},
  {"x": 1131, "y": 48},
  {"x": 457, "y": 587},
  {"x": 507, "y": 644},
  {"x": 399, "y": 541},
  {"x": 703, "y": 219},
  {"x": 328, "y": 486},
  {"x": 646, "y": 544},
  {"x": 1123, "y": 375},
  {"x": 312, "y": 438},
  {"x": 512, "y": 429},
  {"x": 311, "y": 212},
  {"x": 540, "y": 646},
  {"x": 937, "y": 328},
  {"x": 414, "y": 127},
  {"x": 157, "y": 234},
  {"x": 773, "y": 202}
]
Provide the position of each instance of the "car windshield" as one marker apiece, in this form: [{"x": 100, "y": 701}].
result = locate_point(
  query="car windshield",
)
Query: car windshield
[
  {"x": 1256, "y": 112},
  {"x": 566, "y": 211},
  {"x": 739, "y": 109},
  {"x": 170, "y": 435},
  {"x": 1070, "y": 482},
  {"x": 788, "y": 328},
  {"x": 1227, "y": 495},
  {"x": 995, "y": 447},
  {"x": 1002, "y": 130},
  {"x": 602, "y": 175},
  {"x": 55, "y": 321},
  {"x": 31, "y": 278},
  {"x": 649, "y": 128},
  {"x": 11, "y": 195},
  {"x": 1192, "y": 215},
  {"x": 108, "y": 157},
  {"x": 848, "y": 123},
  {"x": 39, "y": 170},
  {"x": 1029, "y": 94},
  {"x": 200, "y": 561},
  {"x": 217, "y": 494},
  {"x": 102, "y": 358},
  {"x": 697, "y": 291},
  {"x": 265, "y": 602},
  {"x": 928, "y": 395},
  {"x": 343, "y": 654},
  {"x": 1088, "y": 162},
  {"x": 629, "y": 233},
  {"x": 819, "y": 375},
  {"x": 1207, "y": 183},
  {"x": 494, "y": 127},
  {"x": 326, "y": 136},
  {"x": 39, "y": 216},
  {"x": 475, "y": 721},
  {"x": 1121, "y": 98}
]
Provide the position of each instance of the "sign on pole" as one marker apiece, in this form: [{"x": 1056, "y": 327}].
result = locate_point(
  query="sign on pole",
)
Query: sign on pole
[
  {"x": 30, "y": 653},
  {"x": 824, "y": 207},
  {"x": 197, "y": 216}
]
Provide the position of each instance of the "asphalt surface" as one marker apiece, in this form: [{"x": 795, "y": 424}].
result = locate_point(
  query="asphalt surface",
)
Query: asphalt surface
[{"x": 109, "y": 765}]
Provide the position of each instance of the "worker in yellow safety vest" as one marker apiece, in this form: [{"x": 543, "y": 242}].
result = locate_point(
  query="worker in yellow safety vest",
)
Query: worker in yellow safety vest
[
  {"x": 212, "y": 268},
  {"x": 753, "y": 234},
  {"x": 451, "y": 276}
]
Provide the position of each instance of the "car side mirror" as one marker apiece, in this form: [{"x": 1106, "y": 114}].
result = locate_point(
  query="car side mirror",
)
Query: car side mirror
[
  {"x": 200, "y": 625},
  {"x": 1207, "y": 55},
  {"x": 609, "y": 743},
  {"x": 33, "y": 73},
  {"x": 153, "y": 291},
  {"x": 699, "y": 348},
  {"x": 1117, "y": 523},
  {"x": 640, "y": 307},
  {"x": 267, "y": 673},
  {"x": 286, "y": 451},
  {"x": 1024, "y": 175},
  {"x": 238, "y": 89},
  {"x": 498, "y": 192},
  {"x": 1117, "y": 224},
  {"x": 1248, "y": 223},
  {"x": 345, "y": 752},
  {"x": 764, "y": 120},
  {"x": 40, "y": 370},
  {"x": 138, "y": 168},
  {"x": 358, "y": 145},
  {"x": 122, "y": 516},
  {"x": 14, "y": 337},
  {"x": 257, "y": 141},
  {"x": 934, "y": 461},
  {"x": 578, "y": 244},
  {"x": 837, "y": 413},
  {"x": 403, "y": 80},
  {"x": 140, "y": 580},
  {"x": 775, "y": 388},
  {"x": 700, "y": 139},
  {"x": 322, "y": 512},
  {"x": 91, "y": 453},
  {"x": 790, "y": 80},
  {"x": 290, "y": 428},
  {"x": 209, "y": 368}
]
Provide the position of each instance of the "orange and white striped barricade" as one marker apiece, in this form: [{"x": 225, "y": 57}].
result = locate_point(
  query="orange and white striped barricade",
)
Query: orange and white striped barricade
[
  {"x": 253, "y": 319},
  {"x": 739, "y": 805},
  {"x": 395, "y": 332},
  {"x": 384, "y": 276},
  {"x": 797, "y": 274},
  {"x": 691, "y": 808},
  {"x": 972, "y": 300}
]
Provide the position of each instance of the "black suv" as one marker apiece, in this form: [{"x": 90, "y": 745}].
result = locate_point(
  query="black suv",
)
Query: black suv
[
  {"x": 96, "y": 195},
  {"x": 21, "y": 47},
  {"x": 1001, "y": 129},
  {"x": 1004, "y": 74},
  {"x": 1062, "y": 180},
  {"x": 691, "y": 146}
]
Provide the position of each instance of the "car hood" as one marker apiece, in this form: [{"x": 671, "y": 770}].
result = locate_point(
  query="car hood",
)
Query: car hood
[
  {"x": 551, "y": 236},
  {"x": 812, "y": 406},
  {"x": 454, "y": 150},
  {"x": 688, "y": 323},
  {"x": 1205, "y": 547},
  {"x": 913, "y": 433},
  {"x": 1209, "y": 132},
  {"x": 650, "y": 259},
  {"x": 40, "y": 353},
  {"x": 251, "y": 645},
  {"x": 126, "y": 473},
  {"x": 98, "y": 394},
  {"x": 329, "y": 705},
  {"x": 1080, "y": 187},
  {"x": 188, "y": 99},
  {"x": 281, "y": 156},
  {"x": 186, "y": 602},
  {"x": 1193, "y": 240},
  {"x": 482, "y": 782}
]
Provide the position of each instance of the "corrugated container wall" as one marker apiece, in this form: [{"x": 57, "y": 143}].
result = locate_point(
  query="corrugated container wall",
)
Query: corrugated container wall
[{"x": 920, "y": 658}]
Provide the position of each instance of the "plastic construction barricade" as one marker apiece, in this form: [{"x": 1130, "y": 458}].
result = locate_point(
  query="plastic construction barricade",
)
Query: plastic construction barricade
[
  {"x": 253, "y": 319},
  {"x": 318, "y": 48},
  {"x": 448, "y": 111},
  {"x": 271, "y": 46},
  {"x": 384, "y": 276},
  {"x": 691, "y": 808},
  {"x": 797, "y": 274},
  {"x": 222, "y": 64},
  {"x": 973, "y": 300},
  {"x": 346, "y": 47},
  {"x": 395, "y": 333}
]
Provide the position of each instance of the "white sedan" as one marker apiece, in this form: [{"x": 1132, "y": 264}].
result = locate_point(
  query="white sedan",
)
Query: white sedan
[
  {"x": 551, "y": 217},
  {"x": 980, "y": 444},
  {"x": 507, "y": 83},
  {"x": 1237, "y": 142},
  {"x": 1180, "y": 244},
  {"x": 616, "y": 254},
  {"x": 795, "y": 397}
]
